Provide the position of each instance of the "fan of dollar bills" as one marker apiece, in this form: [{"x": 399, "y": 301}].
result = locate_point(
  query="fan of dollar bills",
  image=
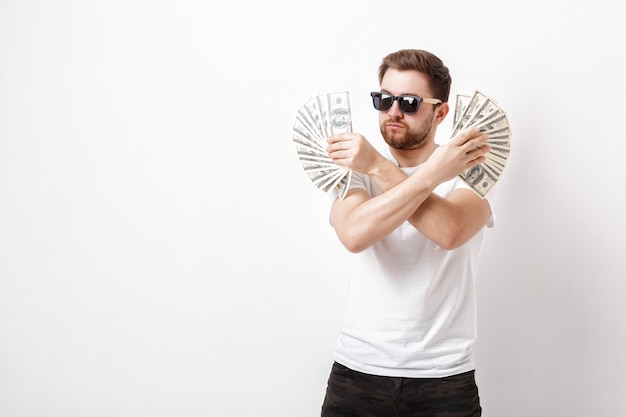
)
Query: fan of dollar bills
[
  {"x": 482, "y": 111},
  {"x": 321, "y": 116}
]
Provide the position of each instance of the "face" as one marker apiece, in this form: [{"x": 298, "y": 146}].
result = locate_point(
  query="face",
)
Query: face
[{"x": 407, "y": 131}]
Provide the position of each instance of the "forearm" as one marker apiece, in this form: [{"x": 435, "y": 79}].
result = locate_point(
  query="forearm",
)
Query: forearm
[
  {"x": 361, "y": 221},
  {"x": 387, "y": 176},
  {"x": 361, "y": 225},
  {"x": 437, "y": 218}
]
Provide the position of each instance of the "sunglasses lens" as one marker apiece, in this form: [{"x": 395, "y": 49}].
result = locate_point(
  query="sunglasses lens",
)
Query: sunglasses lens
[
  {"x": 382, "y": 101},
  {"x": 408, "y": 104}
]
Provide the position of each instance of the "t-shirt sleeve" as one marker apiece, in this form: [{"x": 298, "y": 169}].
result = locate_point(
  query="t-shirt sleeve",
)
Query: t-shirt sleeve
[{"x": 357, "y": 180}]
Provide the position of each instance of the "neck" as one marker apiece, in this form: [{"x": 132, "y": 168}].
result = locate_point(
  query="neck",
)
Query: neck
[{"x": 413, "y": 157}]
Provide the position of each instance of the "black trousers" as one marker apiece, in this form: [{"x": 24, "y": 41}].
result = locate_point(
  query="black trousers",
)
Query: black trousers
[{"x": 355, "y": 394}]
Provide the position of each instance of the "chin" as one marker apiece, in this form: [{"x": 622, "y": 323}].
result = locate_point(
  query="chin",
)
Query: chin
[{"x": 401, "y": 143}]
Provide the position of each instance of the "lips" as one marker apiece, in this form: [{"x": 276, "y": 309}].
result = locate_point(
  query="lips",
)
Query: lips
[{"x": 394, "y": 125}]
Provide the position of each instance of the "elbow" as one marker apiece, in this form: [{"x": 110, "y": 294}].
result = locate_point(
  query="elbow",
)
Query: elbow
[
  {"x": 450, "y": 239},
  {"x": 449, "y": 244},
  {"x": 354, "y": 242},
  {"x": 354, "y": 245}
]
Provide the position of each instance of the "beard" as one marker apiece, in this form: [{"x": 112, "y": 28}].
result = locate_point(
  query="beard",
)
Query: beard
[{"x": 409, "y": 139}]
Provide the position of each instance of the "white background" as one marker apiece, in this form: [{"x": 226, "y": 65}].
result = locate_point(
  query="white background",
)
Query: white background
[{"x": 162, "y": 252}]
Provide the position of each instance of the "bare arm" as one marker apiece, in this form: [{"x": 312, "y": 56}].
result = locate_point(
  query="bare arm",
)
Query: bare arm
[{"x": 360, "y": 220}]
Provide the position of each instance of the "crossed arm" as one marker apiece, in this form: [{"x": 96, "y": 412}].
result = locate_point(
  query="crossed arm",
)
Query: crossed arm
[{"x": 360, "y": 220}]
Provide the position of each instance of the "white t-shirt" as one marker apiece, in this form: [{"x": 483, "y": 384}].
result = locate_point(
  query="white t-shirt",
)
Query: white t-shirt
[{"x": 411, "y": 309}]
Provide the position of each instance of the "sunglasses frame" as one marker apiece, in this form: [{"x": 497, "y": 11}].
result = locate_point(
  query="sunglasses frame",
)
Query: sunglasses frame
[{"x": 419, "y": 100}]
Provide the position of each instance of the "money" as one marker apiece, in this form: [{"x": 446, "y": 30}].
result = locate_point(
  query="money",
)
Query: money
[
  {"x": 480, "y": 110},
  {"x": 462, "y": 101},
  {"x": 323, "y": 115},
  {"x": 329, "y": 113}
]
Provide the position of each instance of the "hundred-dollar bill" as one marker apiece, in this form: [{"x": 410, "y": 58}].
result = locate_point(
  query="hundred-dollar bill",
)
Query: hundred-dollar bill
[
  {"x": 323, "y": 115},
  {"x": 494, "y": 124},
  {"x": 314, "y": 173},
  {"x": 504, "y": 136},
  {"x": 498, "y": 133},
  {"x": 303, "y": 138},
  {"x": 320, "y": 177},
  {"x": 476, "y": 109},
  {"x": 340, "y": 115},
  {"x": 480, "y": 179},
  {"x": 493, "y": 173},
  {"x": 312, "y": 110},
  {"x": 306, "y": 152},
  {"x": 312, "y": 166},
  {"x": 487, "y": 110},
  {"x": 329, "y": 179},
  {"x": 495, "y": 166},
  {"x": 306, "y": 127},
  {"x": 503, "y": 142},
  {"x": 339, "y": 120},
  {"x": 499, "y": 151},
  {"x": 322, "y": 105},
  {"x": 462, "y": 101},
  {"x": 314, "y": 159},
  {"x": 341, "y": 185},
  {"x": 491, "y": 169},
  {"x": 468, "y": 112}
]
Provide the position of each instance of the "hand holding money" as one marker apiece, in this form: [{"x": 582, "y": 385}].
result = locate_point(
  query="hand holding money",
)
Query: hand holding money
[
  {"x": 322, "y": 116},
  {"x": 483, "y": 112},
  {"x": 463, "y": 151},
  {"x": 353, "y": 151}
]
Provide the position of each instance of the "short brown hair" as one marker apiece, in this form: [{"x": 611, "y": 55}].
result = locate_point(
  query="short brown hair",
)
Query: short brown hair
[{"x": 421, "y": 61}]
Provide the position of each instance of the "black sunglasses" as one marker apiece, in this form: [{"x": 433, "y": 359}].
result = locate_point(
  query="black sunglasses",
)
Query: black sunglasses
[{"x": 407, "y": 103}]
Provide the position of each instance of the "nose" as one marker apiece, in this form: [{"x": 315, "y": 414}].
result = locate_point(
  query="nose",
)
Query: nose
[{"x": 394, "y": 111}]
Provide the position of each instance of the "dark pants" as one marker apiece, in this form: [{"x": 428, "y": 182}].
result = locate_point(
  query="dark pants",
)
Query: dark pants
[{"x": 355, "y": 394}]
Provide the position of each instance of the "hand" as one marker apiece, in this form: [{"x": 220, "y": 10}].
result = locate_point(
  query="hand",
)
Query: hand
[
  {"x": 353, "y": 151},
  {"x": 464, "y": 151}
]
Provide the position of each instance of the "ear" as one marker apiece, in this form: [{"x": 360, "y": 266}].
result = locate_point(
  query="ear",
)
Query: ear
[{"x": 441, "y": 112}]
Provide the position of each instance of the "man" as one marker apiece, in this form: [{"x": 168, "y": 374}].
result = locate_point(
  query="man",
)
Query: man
[{"x": 414, "y": 230}]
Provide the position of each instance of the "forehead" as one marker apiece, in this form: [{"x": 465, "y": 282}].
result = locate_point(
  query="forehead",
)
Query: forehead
[{"x": 399, "y": 82}]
